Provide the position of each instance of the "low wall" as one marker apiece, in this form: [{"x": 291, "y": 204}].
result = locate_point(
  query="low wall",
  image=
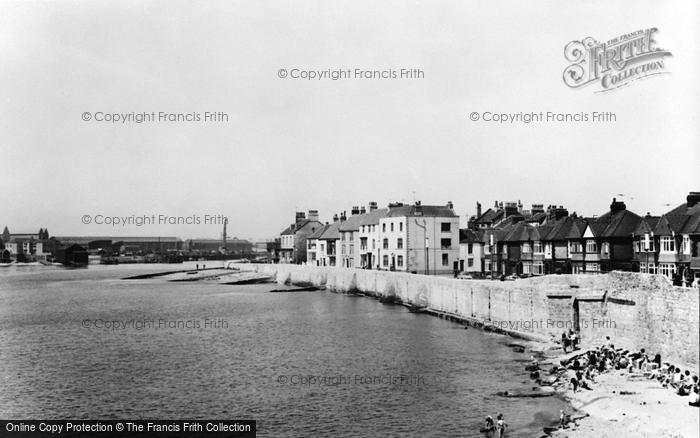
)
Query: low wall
[{"x": 635, "y": 310}]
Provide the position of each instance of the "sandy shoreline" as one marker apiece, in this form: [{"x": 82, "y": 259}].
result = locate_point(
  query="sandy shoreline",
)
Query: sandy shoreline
[{"x": 621, "y": 404}]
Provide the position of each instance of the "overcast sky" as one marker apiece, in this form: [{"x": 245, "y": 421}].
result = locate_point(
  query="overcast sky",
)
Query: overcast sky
[{"x": 294, "y": 144}]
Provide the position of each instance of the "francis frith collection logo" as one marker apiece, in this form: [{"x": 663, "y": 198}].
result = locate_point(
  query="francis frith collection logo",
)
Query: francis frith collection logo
[{"x": 616, "y": 62}]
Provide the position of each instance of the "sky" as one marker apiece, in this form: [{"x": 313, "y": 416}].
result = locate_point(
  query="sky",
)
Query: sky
[{"x": 294, "y": 144}]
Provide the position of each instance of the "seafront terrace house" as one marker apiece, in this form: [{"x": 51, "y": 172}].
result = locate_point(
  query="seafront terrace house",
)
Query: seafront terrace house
[
  {"x": 471, "y": 250},
  {"x": 614, "y": 231},
  {"x": 645, "y": 257},
  {"x": 350, "y": 238},
  {"x": 315, "y": 247},
  {"x": 676, "y": 238},
  {"x": 293, "y": 238},
  {"x": 419, "y": 238},
  {"x": 328, "y": 243},
  {"x": 369, "y": 236}
]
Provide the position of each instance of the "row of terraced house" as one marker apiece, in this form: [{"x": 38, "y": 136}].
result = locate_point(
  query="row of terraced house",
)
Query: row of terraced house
[{"x": 507, "y": 240}]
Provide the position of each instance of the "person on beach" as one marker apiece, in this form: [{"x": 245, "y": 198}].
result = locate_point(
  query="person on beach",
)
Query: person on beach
[
  {"x": 490, "y": 426},
  {"x": 573, "y": 339},
  {"x": 501, "y": 426},
  {"x": 574, "y": 384},
  {"x": 608, "y": 343},
  {"x": 564, "y": 341}
]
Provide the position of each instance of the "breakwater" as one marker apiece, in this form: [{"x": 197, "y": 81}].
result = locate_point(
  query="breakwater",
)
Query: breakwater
[{"x": 635, "y": 310}]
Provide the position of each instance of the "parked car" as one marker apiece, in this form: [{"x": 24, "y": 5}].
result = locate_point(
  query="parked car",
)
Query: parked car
[{"x": 464, "y": 276}]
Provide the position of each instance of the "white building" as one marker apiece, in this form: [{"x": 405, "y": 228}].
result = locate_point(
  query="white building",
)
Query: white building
[
  {"x": 471, "y": 250},
  {"x": 419, "y": 238}
]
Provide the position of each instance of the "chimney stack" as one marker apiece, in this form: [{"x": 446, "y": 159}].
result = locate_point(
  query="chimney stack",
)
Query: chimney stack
[
  {"x": 355, "y": 210},
  {"x": 478, "y": 209},
  {"x": 362, "y": 210},
  {"x": 372, "y": 206},
  {"x": 313, "y": 215},
  {"x": 335, "y": 217},
  {"x": 617, "y": 206},
  {"x": 692, "y": 199}
]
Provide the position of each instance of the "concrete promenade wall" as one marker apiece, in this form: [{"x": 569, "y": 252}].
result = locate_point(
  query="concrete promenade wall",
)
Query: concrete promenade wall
[{"x": 635, "y": 310}]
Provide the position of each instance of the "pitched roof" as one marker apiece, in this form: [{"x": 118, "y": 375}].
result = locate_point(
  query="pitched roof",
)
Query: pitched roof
[
  {"x": 621, "y": 223},
  {"x": 489, "y": 216},
  {"x": 318, "y": 233},
  {"x": 372, "y": 218},
  {"x": 293, "y": 228},
  {"x": 421, "y": 211},
  {"x": 331, "y": 232},
  {"x": 352, "y": 223},
  {"x": 470, "y": 236}
]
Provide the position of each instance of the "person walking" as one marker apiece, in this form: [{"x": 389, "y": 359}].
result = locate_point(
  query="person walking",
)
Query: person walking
[{"x": 501, "y": 426}]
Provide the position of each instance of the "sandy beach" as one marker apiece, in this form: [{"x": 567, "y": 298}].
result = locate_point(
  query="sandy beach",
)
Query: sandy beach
[{"x": 624, "y": 404}]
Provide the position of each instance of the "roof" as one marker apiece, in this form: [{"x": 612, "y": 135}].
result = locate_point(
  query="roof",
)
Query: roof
[
  {"x": 331, "y": 232},
  {"x": 352, "y": 223},
  {"x": 470, "y": 236},
  {"x": 421, "y": 211},
  {"x": 293, "y": 228},
  {"x": 681, "y": 220},
  {"x": 489, "y": 216},
  {"x": 372, "y": 218},
  {"x": 622, "y": 223},
  {"x": 318, "y": 233}
]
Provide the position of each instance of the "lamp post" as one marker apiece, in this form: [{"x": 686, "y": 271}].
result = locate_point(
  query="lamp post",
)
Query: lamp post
[{"x": 492, "y": 254}]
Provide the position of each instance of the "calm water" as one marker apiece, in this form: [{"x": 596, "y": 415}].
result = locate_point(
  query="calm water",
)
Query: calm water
[{"x": 52, "y": 366}]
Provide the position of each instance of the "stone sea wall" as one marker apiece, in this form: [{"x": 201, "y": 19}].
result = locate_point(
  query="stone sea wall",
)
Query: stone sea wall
[{"x": 635, "y": 310}]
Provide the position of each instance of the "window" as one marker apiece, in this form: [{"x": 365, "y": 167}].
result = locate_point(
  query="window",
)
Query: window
[
  {"x": 445, "y": 260},
  {"x": 373, "y": 244},
  {"x": 470, "y": 263},
  {"x": 538, "y": 268},
  {"x": 591, "y": 247},
  {"x": 606, "y": 247},
  {"x": 537, "y": 247},
  {"x": 445, "y": 227},
  {"x": 652, "y": 269},
  {"x": 363, "y": 243},
  {"x": 399, "y": 261},
  {"x": 527, "y": 268},
  {"x": 667, "y": 245},
  {"x": 667, "y": 269},
  {"x": 686, "y": 244},
  {"x": 487, "y": 265},
  {"x": 385, "y": 243},
  {"x": 470, "y": 248},
  {"x": 526, "y": 249},
  {"x": 352, "y": 248},
  {"x": 548, "y": 249},
  {"x": 342, "y": 249},
  {"x": 391, "y": 225},
  {"x": 445, "y": 243},
  {"x": 385, "y": 260},
  {"x": 400, "y": 226},
  {"x": 592, "y": 267},
  {"x": 575, "y": 247},
  {"x": 383, "y": 228},
  {"x": 399, "y": 243}
]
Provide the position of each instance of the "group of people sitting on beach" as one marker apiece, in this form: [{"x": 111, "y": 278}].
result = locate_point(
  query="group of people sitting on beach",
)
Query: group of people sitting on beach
[
  {"x": 569, "y": 340},
  {"x": 497, "y": 429},
  {"x": 588, "y": 365}
]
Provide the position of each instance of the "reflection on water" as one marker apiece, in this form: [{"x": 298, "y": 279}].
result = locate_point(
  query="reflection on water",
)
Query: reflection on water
[{"x": 80, "y": 343}]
